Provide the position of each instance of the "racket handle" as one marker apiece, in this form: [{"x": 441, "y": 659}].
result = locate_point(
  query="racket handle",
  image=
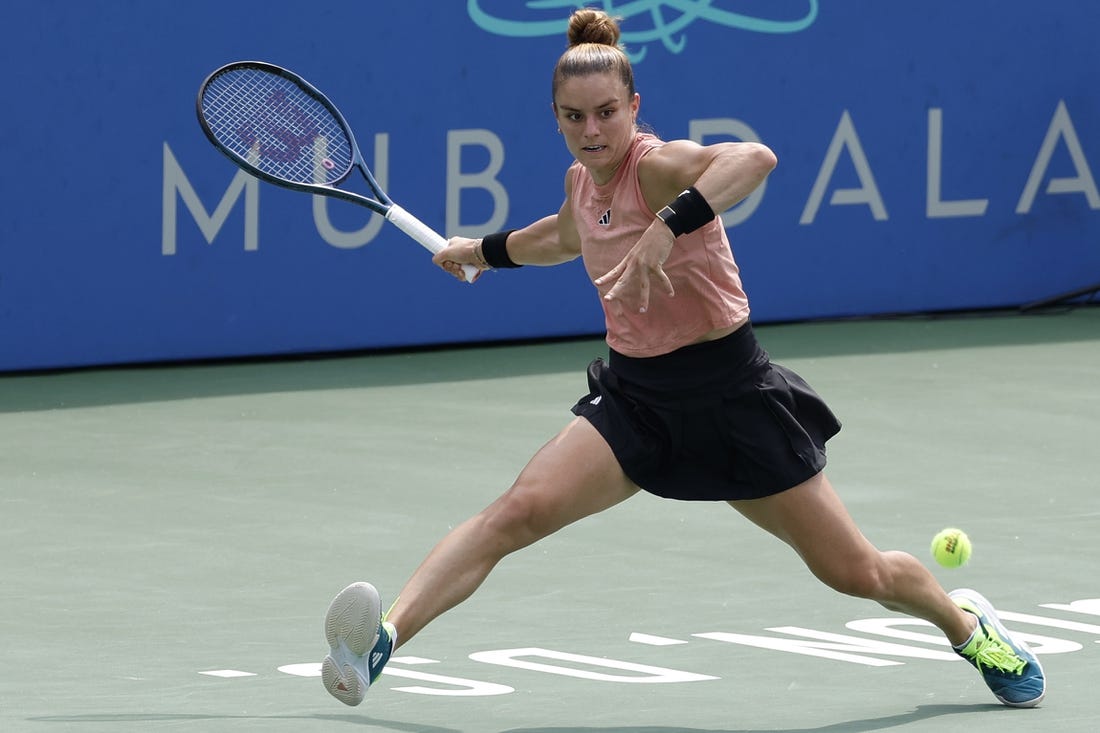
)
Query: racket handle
[{"x": 424, "y": 234}]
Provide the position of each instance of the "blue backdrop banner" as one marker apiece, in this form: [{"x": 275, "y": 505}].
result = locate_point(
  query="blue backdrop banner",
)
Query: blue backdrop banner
[{"x": 932, "y": 156}]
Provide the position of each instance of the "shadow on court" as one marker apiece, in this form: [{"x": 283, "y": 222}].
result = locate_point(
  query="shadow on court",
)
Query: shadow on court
[
  {"x": 922, "y": 712},
  {"x": 165, "y": 382},
  {"x": 158, "y": 383},
  {"x": 135, "y": 718}
]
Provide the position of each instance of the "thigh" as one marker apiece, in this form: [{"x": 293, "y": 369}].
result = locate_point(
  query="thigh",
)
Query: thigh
[
  {"x": 813, "y": 520},
  {"x": 574, "y": 475}
]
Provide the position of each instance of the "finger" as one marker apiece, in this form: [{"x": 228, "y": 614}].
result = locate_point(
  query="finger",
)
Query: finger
[
  {"x": 616, "y": 307},
  {"x": 643, "y": 296},
  {"x": 612, "y": 274},
  {"x": 454, "y": 269},
  {"x": 665, "y": 283}
]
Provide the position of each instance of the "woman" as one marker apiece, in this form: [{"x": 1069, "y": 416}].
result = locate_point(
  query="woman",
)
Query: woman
[{"x": 688, "y": 406}]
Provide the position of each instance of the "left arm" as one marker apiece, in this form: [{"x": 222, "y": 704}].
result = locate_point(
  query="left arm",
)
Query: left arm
[{"x": 723, "y": 174}]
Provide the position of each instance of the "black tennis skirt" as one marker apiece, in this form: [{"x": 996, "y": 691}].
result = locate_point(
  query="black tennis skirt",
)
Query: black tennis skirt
[{"x": 713, "y": 421}]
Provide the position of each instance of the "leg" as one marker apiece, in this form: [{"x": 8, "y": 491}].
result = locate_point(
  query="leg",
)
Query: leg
[
  {"x": 571, "y": 477},
  {"x": 811, "y": 519}
]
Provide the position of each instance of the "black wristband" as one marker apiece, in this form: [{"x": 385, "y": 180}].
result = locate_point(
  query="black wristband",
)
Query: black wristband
[
  {"x": 686, "y": 213},
  {"x": 495, "y": 250}
]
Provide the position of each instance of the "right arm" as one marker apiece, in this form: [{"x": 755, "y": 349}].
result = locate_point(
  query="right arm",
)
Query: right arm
[{"x": 551, "y": 240}]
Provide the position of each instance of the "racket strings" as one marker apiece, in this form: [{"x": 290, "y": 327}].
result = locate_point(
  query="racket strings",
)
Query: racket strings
[{"x": 274, "y": 125}]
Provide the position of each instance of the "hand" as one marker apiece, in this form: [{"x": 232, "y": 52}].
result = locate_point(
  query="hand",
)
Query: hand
[
  {"x": 458, "y": 252},
  {"x": 630, "y": 279}
]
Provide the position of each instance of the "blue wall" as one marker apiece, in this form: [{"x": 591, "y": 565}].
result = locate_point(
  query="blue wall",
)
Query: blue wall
[{"x": 934, "y": 155}]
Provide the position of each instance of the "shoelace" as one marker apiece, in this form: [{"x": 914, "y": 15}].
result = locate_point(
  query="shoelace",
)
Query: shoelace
[{"x": 996, "y": 654}]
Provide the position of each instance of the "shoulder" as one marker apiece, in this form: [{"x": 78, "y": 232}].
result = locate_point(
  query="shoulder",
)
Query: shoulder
[
  {"x": 675, "y": 159},
  {"x": 571, "y": 174},
  {"x": 669, "y": 168}
]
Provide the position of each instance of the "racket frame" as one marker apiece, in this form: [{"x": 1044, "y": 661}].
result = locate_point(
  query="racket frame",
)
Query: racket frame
[{"x": 383, "y": 204}]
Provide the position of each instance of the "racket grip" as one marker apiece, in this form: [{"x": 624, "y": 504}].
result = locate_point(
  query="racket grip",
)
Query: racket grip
[{"x": 423, "y": 234}]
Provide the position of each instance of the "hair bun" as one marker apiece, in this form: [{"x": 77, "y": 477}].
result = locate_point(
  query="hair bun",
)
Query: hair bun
[{"x": 589, "y": 25}]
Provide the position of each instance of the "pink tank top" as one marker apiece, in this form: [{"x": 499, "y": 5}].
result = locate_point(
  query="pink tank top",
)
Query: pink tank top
[{"x": 610, "y": 219}]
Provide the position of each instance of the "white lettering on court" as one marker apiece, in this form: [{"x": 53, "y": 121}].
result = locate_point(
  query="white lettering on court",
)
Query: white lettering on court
[
  {"x": 888, "y": 627},
  {"x": 638, "y": 673},
  {"x": 1090, "y": 606},
  {"x": 840, "y": 647},
  {"x": 455, "y": 686}
]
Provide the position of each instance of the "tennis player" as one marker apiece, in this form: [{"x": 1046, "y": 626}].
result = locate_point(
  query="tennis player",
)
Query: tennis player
[{"x": 687, "y": 406}]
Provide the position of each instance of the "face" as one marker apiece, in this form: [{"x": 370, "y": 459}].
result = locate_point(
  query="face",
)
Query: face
[{"x": 596, "y": 115}]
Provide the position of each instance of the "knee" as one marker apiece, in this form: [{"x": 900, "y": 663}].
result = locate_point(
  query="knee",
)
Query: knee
[{"x": 514, "y": 520}]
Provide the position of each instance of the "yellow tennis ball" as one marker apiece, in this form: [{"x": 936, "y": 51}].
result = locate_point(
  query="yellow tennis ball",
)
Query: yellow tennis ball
[{"x": 951, "y": 548}]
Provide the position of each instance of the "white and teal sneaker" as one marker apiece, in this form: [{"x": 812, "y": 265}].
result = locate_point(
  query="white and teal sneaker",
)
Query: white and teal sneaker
[
  {"x": 361, "y": 642},
  {"x": 1009, "y": 667}
]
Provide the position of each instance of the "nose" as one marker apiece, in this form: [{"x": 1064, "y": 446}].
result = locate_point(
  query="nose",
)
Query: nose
[{"x": 591, "y": 126}]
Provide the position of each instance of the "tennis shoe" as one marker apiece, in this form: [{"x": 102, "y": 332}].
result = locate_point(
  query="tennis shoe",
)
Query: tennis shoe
[
  {"x": 360, "y": 642},
  {"x": 1009, "y": 667}
]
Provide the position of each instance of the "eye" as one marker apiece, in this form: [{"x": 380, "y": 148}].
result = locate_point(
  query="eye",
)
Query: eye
[
  {"x": 573, "y": 116},
  {"x": 606, "y": 113}
]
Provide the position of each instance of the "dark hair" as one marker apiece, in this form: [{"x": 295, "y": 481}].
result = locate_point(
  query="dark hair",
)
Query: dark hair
[{"x": 594, "y": 48}]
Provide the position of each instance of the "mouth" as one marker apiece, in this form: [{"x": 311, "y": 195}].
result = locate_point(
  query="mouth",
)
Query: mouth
[{"x": 593, "y": 148}]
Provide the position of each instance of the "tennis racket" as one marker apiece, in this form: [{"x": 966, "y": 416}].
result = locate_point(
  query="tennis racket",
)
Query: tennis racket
[{"x": 281, "y": 129}]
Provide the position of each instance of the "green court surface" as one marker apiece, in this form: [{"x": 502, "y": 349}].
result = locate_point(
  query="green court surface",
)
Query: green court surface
[{"x": 171, "y": 537}]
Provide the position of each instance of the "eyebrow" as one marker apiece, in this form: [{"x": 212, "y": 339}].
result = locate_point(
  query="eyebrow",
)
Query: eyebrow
[{"x": 608, "y": 103}]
